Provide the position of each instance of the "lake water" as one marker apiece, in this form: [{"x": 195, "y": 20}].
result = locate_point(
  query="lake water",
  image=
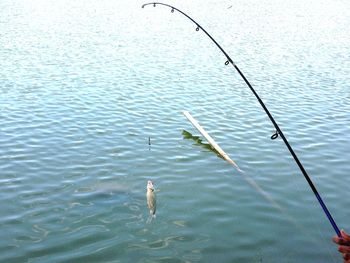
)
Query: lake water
[{"x": 86, "y": 86}]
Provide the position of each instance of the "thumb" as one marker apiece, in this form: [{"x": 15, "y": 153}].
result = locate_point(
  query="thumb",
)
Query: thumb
[{"x": 345, "y": 236}]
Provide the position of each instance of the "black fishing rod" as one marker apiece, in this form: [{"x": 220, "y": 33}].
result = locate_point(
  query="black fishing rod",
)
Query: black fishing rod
[{"x": 278, "y": 130}]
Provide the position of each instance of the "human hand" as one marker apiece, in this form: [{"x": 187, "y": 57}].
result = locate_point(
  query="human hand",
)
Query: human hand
[{"x": 344, "y": 245}]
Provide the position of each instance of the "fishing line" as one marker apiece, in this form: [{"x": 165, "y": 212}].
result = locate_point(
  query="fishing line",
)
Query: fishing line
[
  {"x": 278, "y": 130},
  {"x": 318, "y": 238}
]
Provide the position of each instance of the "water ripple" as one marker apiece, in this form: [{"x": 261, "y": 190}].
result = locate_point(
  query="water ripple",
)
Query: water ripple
[{"x": 90, "y": 108}]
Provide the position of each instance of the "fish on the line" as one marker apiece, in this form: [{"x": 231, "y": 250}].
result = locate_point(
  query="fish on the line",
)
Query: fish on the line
[{"x": 151, "y": 199}]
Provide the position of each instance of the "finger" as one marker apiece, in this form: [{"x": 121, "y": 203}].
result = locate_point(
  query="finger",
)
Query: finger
[
  {"x": 346, "y": 256},
  {"x": 345, "y": 236},
  {"x": 337, "y": 239},
  {"x": 344, "y": 249},
  {"x": 340, "y": 241}
]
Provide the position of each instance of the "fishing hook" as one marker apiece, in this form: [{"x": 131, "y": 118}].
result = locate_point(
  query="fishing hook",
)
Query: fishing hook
[{"x": 278, "y": 130}]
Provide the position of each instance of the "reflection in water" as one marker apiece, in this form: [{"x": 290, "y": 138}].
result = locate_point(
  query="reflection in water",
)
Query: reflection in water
[
  {"x": 198, "y": 141},
  {"x": 247, "y": 178},
  {"x": 251, "y": 181},
  {"x": 171, "y": 242}
]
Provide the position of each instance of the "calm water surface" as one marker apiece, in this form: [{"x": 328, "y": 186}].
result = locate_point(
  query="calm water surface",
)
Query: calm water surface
[{"x": 85, "y": 84}]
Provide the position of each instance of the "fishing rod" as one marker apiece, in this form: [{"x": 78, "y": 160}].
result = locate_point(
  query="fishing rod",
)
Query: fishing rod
[{"x": 278, "y": 130}]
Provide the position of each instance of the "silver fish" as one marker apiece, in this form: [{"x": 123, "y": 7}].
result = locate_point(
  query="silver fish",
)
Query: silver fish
[{"x": 151, "y": 199}]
